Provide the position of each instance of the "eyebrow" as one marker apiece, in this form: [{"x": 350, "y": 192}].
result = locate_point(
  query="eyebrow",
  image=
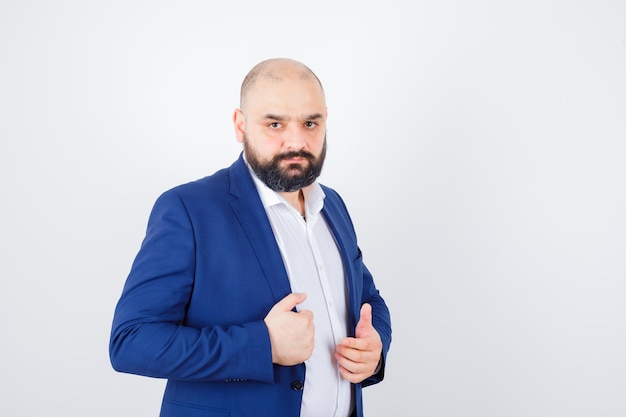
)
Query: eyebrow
[{"x": 314, "y": 116}]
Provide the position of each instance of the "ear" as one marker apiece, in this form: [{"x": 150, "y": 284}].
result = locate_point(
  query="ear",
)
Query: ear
[{"x": 240, "y": 125}]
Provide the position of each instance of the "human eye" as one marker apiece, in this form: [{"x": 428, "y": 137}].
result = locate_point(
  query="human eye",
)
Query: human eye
[
  {"x": 274, "y": 125},
  {"x": 309, "y": 124}
]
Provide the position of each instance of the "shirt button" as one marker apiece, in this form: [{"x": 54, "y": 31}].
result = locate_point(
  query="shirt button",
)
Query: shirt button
[{"x": 297, "y": 385}]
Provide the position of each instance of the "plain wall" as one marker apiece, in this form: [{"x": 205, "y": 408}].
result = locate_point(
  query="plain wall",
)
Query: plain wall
[{"x": 480, "y": 147}]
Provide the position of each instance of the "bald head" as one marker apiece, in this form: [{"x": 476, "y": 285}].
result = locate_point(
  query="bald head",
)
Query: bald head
[{"x": 274, "y": 70}]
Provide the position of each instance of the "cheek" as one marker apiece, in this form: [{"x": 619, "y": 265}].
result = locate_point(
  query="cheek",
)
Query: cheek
[
  {"x": 266, "y": 148},
  {"x": 272, "y": 148},
  {"x": 317, "y": 144}
]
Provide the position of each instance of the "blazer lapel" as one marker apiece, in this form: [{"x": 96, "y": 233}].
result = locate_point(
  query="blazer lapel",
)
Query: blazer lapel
[
  {"x": 335, "y": 217},
  {"x": 251, "y": 215}
]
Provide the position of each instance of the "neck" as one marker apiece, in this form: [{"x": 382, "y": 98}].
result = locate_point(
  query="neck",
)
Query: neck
[{"x": 296, "y": 199}]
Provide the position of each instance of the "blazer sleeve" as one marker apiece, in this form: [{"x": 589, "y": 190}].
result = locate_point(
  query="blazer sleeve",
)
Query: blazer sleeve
[
  {"x": 149, "y": 336},
  {"x": 381, "y": 320}
]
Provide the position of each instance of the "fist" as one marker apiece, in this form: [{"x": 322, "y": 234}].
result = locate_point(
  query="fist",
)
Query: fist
[{"x": 291, "y": 333}]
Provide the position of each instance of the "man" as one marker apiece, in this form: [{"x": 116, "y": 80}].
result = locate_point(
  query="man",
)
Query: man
[{"x": 249, "y": 293}]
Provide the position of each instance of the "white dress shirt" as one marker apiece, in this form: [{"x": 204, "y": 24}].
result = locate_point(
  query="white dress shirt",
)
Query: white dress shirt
[{"x": 315, "y": 267}]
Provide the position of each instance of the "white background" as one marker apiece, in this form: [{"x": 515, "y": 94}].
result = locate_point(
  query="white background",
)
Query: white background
[{"x": 480, "y": 146}]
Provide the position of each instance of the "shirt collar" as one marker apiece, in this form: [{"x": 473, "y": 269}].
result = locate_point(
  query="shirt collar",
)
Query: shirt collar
[{"x": 313, "y": 194}]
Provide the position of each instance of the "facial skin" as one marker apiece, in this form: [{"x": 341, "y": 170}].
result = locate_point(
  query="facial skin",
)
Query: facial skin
[{"x": 282, "y": 125}]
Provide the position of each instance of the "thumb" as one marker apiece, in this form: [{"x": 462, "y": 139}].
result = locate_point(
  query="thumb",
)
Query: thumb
[
  {"x": 290, "y": 301},
  {"x": 365, "y": 321}
]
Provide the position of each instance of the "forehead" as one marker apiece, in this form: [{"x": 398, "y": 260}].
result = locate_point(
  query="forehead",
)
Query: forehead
[{"x": 293, "y": 93}]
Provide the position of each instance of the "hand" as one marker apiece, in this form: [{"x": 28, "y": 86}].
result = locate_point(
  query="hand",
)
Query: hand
[
  {"x": 291, "y": 333},
  {"x": 358, "y": 356}
]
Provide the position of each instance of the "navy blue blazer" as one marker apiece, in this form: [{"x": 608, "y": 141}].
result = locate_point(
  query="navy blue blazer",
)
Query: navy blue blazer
[{"x": 192, "y": 309}]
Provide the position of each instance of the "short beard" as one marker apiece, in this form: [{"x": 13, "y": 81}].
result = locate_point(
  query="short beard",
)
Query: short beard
[{"x": 292, "y": 178}]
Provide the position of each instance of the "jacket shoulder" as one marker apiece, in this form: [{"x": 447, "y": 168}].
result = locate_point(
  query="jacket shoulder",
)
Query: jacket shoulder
[
  {"x": 215, "y": 181},
  {"x": 199, "y": 190}
]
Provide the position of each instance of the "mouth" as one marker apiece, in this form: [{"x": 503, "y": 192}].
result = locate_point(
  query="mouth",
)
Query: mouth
[
  {"x": 296, "y": 155},
  {"x": 294, "y": 159}
]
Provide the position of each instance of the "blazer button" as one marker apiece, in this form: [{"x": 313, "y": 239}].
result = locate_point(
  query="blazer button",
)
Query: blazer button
[{"x": 297, "y": 385}]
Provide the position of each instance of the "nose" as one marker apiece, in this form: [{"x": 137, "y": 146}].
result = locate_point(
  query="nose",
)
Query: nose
[{"x": 294, "y": 139}]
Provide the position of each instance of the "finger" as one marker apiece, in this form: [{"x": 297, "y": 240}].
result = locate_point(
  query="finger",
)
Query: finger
[
  {"x": 346, "y": 355},
  {"x": 290, "y": 301},
  {"x": 365, "y": 322},
  {"x": 366, "y": 314},
  {"x": 349, "y": 376},
  {"x": 355, "y": 378},
  {"x": 306, "y": 313},
  {"x": 352, "y": 343},
  {"x": 356, "y": 365},
  {"x": 352, "y": 371}
]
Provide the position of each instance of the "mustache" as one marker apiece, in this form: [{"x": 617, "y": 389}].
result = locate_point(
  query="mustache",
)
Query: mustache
[{"x": 295, "y": 154}]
